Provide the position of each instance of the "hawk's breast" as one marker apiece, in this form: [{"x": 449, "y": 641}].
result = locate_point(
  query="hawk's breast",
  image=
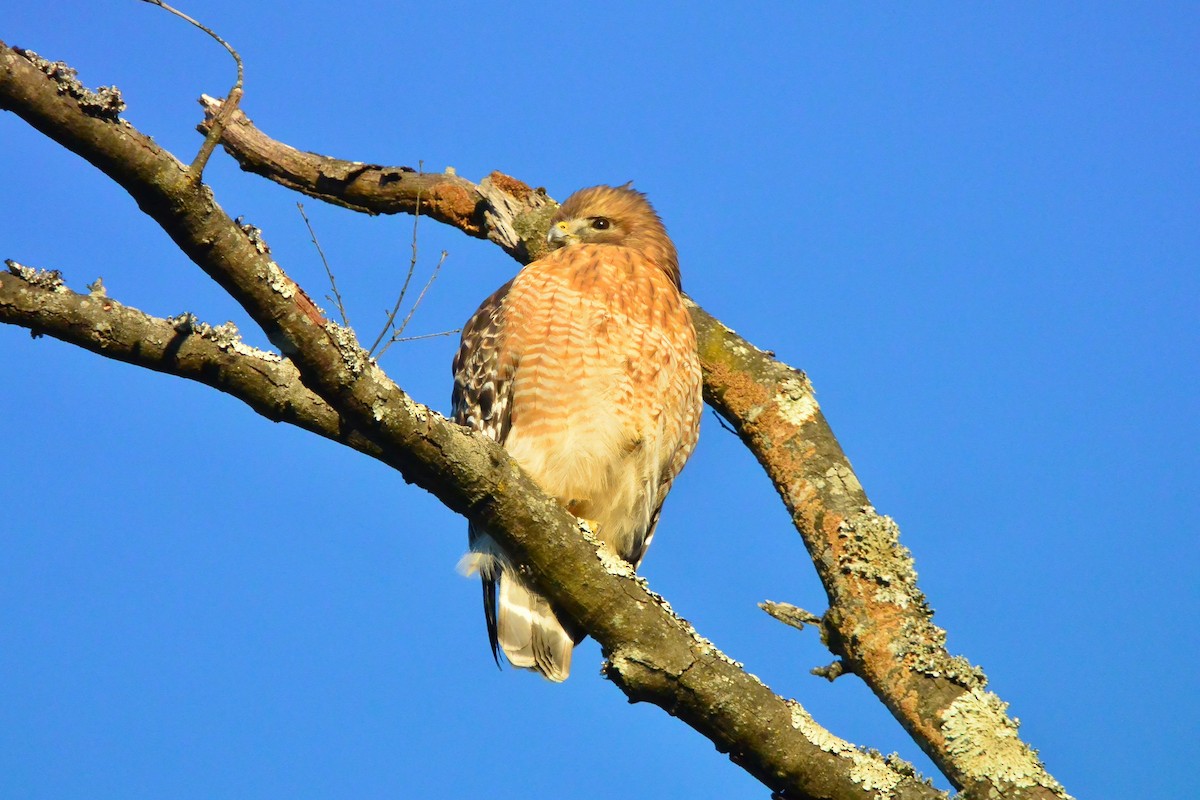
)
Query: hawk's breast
[{"x": 605, "y": 360}]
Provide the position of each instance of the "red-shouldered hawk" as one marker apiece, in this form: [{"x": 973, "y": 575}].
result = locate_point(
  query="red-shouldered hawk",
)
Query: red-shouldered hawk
[{"x": 584, "y": 368}]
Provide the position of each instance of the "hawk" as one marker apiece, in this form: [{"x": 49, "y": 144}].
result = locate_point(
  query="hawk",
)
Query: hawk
[{"x": 584, "y": 367}]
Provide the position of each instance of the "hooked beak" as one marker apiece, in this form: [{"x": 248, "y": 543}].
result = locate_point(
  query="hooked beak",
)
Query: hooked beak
[{"x": 560, "y": 233}]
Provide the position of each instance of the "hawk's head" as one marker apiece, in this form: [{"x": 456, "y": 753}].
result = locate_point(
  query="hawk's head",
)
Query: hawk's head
[{"x": 614, "y": 215}]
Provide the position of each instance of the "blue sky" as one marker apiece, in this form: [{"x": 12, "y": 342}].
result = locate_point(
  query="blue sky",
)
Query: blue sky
[{"x": 975, "y": 227}]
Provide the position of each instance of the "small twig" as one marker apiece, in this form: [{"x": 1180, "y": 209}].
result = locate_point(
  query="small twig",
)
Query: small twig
[
  {"x": 432, "y": 277},
  {"x": 798, "y": 618},
  {"x": 789, "y": 614},
  {"x": 196, "y": 169},
  {"x": 832, "y": 671},
  {"x": 390, "y": 323},
  {"x": 399, "y": 333},
  {"x": 337, "y": 297},
  {"x": 429, "y": 335},
  {"x": 721, "y": 421}
]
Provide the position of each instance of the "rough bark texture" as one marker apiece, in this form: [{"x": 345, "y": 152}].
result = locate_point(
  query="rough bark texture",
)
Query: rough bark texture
[{"x": 878, "y": 622}]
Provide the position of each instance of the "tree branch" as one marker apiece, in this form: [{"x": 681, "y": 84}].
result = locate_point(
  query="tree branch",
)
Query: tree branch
[
  {"x": 773, "y": 739},
  {"x": 499, "y": 208},
  {"x": 181, "y": 346},
  {"x": 878, "y": 620}
]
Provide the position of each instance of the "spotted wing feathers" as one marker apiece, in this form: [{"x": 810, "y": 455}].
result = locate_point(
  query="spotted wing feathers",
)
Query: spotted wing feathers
[{"x": 482, "y": 378}]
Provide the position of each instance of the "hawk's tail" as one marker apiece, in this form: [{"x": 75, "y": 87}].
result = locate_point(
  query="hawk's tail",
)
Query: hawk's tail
[
  {"x": 520, "y": 621},
  {"x": 527, "y": 630}
]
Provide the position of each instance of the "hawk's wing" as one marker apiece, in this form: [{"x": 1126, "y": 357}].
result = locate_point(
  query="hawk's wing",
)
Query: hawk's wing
[
  {"x": 481, "y": 400},
  {"x": 482, "y": 373}
]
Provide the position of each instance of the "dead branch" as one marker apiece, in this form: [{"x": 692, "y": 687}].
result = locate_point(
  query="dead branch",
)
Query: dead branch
[{"x": 500, "y": 208}]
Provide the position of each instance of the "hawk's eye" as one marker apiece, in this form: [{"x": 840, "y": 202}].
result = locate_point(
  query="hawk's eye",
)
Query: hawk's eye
[{"x": 600, "y": 223}]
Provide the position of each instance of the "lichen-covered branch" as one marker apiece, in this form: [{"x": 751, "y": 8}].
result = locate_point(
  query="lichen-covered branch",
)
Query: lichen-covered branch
[
  {"x": 182, "y": 346},
  {"x": 878, "y": 622},
  {"x": 771, "y": 738}
]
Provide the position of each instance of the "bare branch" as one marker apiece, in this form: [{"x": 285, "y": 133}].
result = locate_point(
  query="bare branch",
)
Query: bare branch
[
  {"x": 878, "y": 621},
  {"x": 180, "y": 346},
  {"x": 499, "y": 208},
  {"x": 390, "y": 322},
  {"x": 789, "y": 614},
  {"x": 428, "y": 335}
]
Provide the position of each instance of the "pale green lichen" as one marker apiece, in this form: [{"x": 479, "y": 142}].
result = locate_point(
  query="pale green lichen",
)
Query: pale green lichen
[
  {"x": 922, "y": 645},
  {"x": 382, "y": 409},
  {"x": 255, "y": 236},
  {"x": 983, "y": 741},
  {"x": 613, "y": 564},
  {"x": 353, "y": 356},
  {"x": 103, "y": 103},
  {"x": 839, "y": 479},
  {"x": 795, "y": 401},
  {"x": 804, "y": 722},
  {"x": 226, "y": 336},
  {"x": 379, "y": 409},
  {"x": 530, "y": 228},
  {"x": 49, "y": 279},
  {"x": 874, "y": 553},
  {"x": 868, "y": 768},
  {"x": 415, "y": 410},
  {"x": 279, "y": 282}
]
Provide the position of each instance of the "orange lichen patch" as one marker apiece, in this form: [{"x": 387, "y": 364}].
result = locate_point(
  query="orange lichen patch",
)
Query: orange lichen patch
[
  {"x": 783, "y": 449},
  {"x": 735, "y": 387},
  {"x": 510, "y": 185},
  {"x": 782, "y": 430}
]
